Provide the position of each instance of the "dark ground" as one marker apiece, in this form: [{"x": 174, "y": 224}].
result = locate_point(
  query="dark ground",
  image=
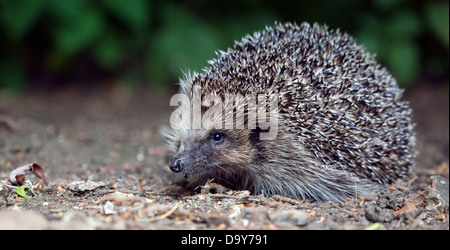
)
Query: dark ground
[{"x": 107, "y": 169}]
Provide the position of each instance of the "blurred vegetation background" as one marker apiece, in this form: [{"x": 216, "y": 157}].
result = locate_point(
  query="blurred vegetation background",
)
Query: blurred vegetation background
[{"x": 49, "y": 43}]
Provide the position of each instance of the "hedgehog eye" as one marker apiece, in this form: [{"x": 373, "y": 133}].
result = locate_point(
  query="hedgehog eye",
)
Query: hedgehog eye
[{"x": 217, "y": 137}]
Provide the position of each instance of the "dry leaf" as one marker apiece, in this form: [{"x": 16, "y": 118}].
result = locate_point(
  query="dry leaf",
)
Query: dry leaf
[
  {"x": 17, "y": 176},
  {"x": 407, "y": 208}
]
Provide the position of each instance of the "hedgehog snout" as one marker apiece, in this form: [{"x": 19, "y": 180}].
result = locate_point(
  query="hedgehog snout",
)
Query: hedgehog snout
[{"x": 176, "y": 165}]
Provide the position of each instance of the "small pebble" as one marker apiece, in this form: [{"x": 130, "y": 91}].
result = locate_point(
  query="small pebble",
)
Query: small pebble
[
  {"x": 438, "y": 194},
  {"x": 292, "y": 216},
  {"x": 108, "y": 208}
]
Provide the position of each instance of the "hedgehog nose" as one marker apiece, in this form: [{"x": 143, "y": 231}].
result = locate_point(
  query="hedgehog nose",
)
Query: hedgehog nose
[{"x": 176, "y": 165}]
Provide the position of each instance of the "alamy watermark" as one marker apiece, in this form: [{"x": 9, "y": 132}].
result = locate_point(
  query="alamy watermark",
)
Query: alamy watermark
[{"x": 260, "y": 110}]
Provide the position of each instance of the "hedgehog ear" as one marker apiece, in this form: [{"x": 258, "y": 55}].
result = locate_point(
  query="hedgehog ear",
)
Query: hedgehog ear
[{"x": 255, "y": 134}]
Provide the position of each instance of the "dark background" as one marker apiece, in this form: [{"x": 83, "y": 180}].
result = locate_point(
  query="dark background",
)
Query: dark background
[{"x": 46, "y": 44}]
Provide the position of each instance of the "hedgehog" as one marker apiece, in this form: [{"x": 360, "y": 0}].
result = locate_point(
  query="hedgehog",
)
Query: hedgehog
[{"x": 341, "y": 128}]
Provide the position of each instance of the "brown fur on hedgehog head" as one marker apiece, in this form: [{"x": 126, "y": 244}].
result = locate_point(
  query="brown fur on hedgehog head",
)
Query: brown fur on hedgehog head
[{"x": 202, "y": 146}]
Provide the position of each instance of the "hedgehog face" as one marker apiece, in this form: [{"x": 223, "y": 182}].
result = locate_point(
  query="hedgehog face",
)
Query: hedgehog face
[
  {"x": 200, "y": 140},
  {"x": 210, "y": 152}
]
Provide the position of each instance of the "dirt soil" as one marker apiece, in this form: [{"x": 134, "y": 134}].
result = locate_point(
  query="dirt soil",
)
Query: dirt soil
[{"x": 107, "y": 168}]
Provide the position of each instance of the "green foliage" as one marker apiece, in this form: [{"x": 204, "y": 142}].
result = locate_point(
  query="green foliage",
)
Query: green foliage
[
  {"x": 133, "y": 13},
  {"x": 182, "y": 40},
  {"x": 18, "y": 16},
  {"x": 437, "y": 18},
  {"x": 153, "y": 42},
  {"x": 11, "y": 76},
  {"x": 71, "y": 37},
  {"x": 393, "y": 38},
  {"x": 23, "y": 191}
]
